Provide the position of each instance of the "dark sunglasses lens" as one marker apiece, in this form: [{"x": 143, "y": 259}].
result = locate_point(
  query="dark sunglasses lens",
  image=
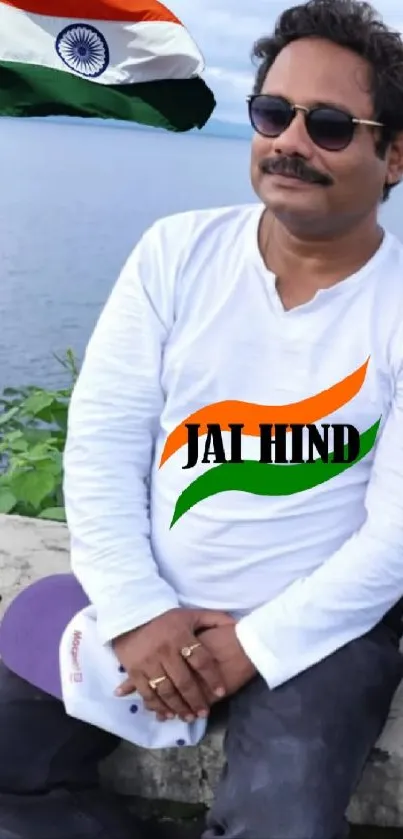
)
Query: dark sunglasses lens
[
  {"x": 330, "y": 129},
  {"x": 269, "y": 116}
]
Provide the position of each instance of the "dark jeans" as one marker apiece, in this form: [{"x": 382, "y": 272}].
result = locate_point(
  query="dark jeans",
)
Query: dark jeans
[{"x": 294, "y": 754}]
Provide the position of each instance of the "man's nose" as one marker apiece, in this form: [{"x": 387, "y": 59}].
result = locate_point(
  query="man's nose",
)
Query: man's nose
[{"x": 295, "y": 139}]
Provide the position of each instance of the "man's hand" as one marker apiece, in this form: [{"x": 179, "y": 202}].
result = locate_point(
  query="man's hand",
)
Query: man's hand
[
  {"x": 235, "y": 667},
  {"x": 153, "y": 651}
]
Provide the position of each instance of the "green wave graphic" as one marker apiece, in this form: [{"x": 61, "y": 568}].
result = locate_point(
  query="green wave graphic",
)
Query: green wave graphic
[{"x": 267, "y": 478}]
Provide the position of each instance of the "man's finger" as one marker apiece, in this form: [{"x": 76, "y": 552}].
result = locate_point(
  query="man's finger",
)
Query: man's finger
[
  {"x": 152, "y": 699},
  {"x": 209, "y": 618},
  {"x": 172, "y": 700},
  {"x": 208, "y": 670},
  {"x": 126, "y": 688},
  {"x": 187, "y": 685}
]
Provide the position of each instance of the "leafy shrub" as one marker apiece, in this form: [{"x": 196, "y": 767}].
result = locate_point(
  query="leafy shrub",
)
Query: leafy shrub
[{"x": 33, "y": 427}]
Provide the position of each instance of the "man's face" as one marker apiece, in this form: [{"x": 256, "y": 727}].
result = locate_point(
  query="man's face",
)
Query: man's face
[{"x": 308, "y": 72}]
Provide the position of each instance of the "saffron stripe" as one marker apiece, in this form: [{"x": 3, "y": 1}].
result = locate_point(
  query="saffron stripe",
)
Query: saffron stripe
[
  {"x": 250, "y": 415},
  {"x": 118, "y": 10}
]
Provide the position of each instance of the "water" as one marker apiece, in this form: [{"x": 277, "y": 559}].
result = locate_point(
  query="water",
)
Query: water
[{"x": 74, "y": 200}]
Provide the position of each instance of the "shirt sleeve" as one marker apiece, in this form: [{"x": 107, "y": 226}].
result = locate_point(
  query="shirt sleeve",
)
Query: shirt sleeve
[
  {"x": 113, "y": 422},
  {"x": 353, "y": 590}
]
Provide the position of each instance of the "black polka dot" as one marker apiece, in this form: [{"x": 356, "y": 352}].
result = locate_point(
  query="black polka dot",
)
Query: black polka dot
[{"x": 133, "y": 709}]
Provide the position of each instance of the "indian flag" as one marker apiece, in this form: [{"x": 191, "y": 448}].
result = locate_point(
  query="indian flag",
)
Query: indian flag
[{"x": 115, "y": 59}]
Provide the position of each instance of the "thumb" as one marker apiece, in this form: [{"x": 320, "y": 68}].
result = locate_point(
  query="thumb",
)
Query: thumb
[{"x": 210, "y": 618}]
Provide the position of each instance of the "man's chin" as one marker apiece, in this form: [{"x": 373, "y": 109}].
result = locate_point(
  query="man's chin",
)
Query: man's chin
[
  {"x": 304, "y": 202},
  {"x": 295, "y": 209}
]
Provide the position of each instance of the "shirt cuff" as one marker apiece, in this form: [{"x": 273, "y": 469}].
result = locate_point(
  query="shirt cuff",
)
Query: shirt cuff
[
  {"x": 111, "y": 625},
  {"x": 258, "y": 653}
]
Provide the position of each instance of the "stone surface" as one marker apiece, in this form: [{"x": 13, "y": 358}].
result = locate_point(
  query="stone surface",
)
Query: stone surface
[
  {"x": 187, "y": 775},
  {"x": 30, "y": 549}
]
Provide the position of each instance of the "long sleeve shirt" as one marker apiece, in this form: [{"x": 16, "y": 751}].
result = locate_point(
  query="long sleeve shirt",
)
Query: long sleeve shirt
[{"x": 195, "y": 319}]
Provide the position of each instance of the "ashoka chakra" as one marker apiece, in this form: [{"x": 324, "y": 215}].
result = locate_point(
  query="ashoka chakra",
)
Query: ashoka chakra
[{"x": 83, "y": 49}]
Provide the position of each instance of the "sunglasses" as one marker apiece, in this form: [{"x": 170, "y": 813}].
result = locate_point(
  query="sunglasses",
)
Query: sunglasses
[{"x": 329, "y": 128}]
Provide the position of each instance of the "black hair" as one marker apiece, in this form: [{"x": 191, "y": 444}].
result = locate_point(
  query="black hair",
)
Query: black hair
[{"x": 358, "y": 27}]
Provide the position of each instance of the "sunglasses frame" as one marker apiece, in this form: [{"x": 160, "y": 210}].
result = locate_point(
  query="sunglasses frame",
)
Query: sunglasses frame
[{"x": 294, "y": 109}]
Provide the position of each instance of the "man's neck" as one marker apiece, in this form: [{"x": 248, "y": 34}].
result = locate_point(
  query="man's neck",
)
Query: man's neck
[{"x": 303, "y": 266}]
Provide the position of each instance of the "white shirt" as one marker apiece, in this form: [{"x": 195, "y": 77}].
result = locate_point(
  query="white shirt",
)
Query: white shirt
[{"x": 195, "y": 318}]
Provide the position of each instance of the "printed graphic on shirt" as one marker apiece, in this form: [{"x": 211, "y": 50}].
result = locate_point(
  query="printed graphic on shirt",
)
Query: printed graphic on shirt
[{"x": 281, "y": 469}]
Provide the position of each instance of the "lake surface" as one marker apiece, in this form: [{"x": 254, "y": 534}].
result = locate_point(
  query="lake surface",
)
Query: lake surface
[{"x": 74, "y": 200}]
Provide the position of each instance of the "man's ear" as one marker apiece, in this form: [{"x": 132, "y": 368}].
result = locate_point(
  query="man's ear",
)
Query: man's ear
[{"x": 395, "y": 160}]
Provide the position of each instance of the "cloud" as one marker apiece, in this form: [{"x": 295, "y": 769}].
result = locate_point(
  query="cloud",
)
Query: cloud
[
  {"x": 225, "y": 38},
  {"x": 225, "y": 31},
  {"x": 231, "y": 88}
]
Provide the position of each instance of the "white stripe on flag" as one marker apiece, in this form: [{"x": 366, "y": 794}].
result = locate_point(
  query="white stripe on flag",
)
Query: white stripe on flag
[{"x": 138, "y": 52}]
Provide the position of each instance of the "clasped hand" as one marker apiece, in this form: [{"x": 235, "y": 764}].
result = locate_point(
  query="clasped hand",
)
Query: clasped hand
[{"x": 184, "y": 687}]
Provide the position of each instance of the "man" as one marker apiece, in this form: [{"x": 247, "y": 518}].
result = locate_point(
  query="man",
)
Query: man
[{"x": 285, "y": 604}]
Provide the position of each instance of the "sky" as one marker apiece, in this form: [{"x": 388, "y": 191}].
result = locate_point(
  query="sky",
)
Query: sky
[{"x": 225, "y": 31}]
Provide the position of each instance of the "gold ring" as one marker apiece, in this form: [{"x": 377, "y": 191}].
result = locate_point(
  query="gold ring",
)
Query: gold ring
[
  {"x": 155, "y": 682},
  {"x": 186, "y": 652}
]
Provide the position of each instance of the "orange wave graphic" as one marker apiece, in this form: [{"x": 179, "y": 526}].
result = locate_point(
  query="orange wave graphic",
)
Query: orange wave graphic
[{"x": 252, "y": 416}]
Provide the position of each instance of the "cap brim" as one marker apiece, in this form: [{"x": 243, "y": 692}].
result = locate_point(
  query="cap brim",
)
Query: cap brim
[{"x": 32, "y": 628}]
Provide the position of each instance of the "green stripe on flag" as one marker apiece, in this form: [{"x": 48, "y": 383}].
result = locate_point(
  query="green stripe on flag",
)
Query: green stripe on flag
[{"x": 30, "y": 90}]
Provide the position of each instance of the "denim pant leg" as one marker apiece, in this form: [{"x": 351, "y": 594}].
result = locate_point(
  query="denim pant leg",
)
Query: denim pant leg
[
  {"x": 294, "y": 755},
  {"x": 49, "y": 771}
]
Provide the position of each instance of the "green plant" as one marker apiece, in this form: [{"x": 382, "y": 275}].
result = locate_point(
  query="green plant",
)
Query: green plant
[{"x": 33, "y": 427}]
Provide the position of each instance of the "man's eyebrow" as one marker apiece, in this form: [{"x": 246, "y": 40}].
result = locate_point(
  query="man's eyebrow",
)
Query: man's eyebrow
[{"x": 319, "y": 103}]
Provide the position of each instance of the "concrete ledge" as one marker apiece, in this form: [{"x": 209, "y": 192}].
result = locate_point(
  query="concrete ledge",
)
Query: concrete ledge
[{"x": 31, "y": 549}]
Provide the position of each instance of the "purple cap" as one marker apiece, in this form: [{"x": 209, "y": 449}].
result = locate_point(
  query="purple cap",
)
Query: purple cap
[{"x": 32, "y": 628}]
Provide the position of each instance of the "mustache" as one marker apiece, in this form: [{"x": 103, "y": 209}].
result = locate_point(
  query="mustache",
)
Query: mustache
[{"x": 295, "y": 167}]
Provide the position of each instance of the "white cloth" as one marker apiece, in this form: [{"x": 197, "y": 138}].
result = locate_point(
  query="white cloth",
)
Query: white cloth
[
  {"x": 90, "y": 674},
  {"x": 195, "y": 318}
]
